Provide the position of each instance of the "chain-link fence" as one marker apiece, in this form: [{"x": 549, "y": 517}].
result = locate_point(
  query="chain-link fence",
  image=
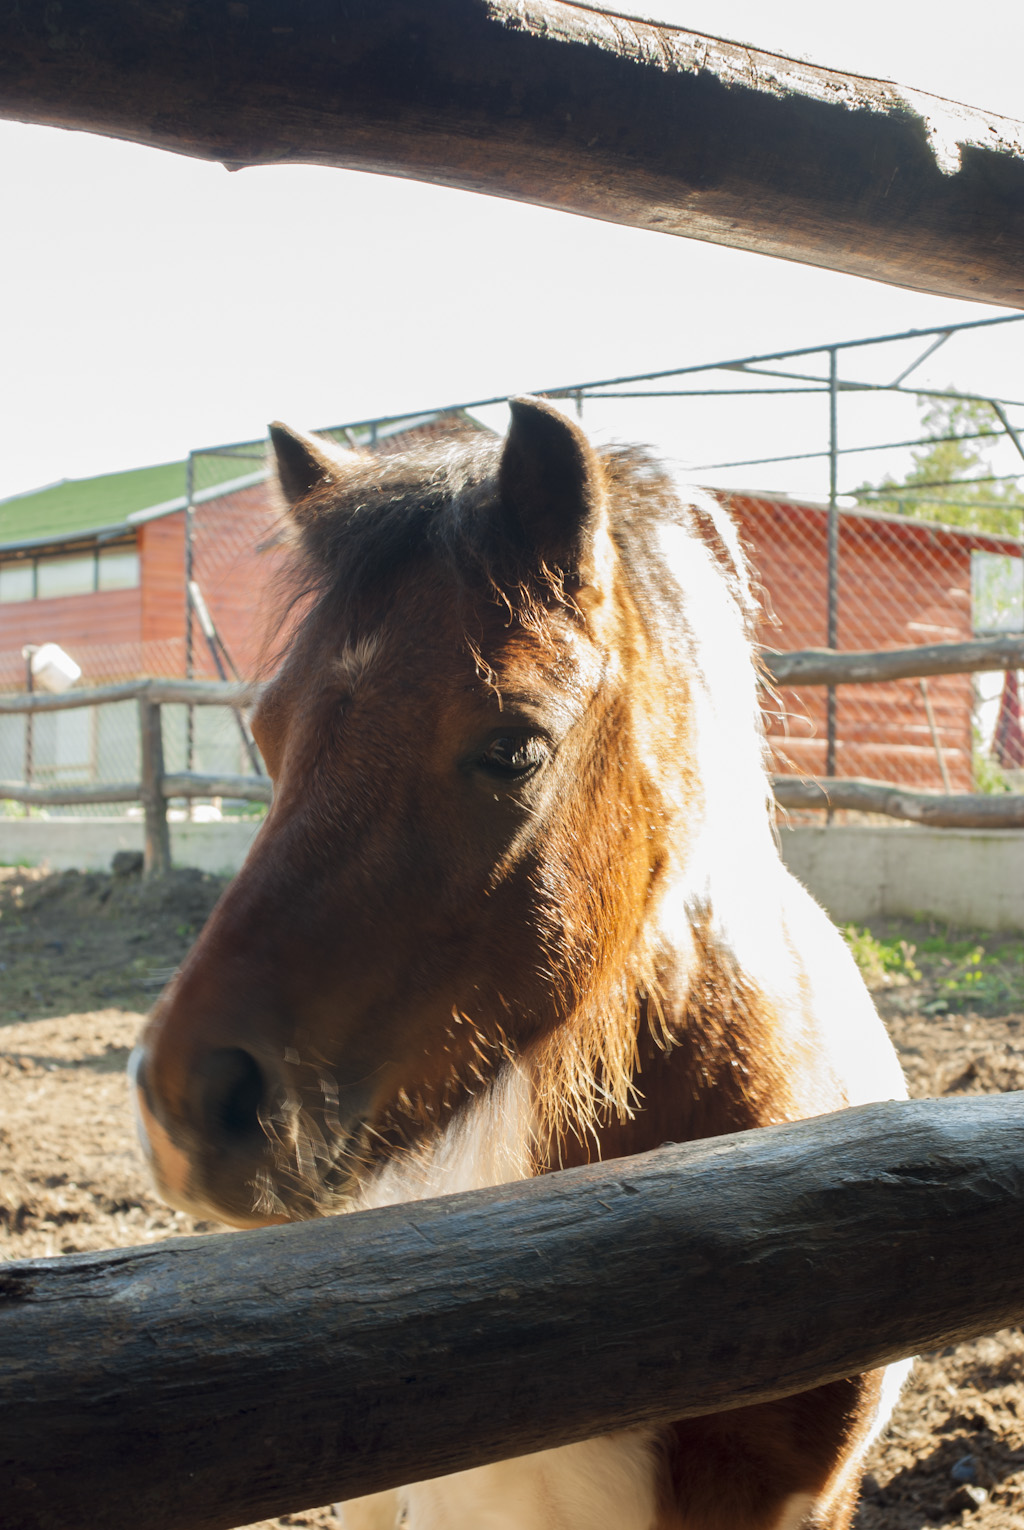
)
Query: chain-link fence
[{"x": 842, "y": 564}]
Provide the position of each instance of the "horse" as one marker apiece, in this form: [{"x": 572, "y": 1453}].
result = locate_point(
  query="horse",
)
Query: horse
[{"x": 517, "y": 905}]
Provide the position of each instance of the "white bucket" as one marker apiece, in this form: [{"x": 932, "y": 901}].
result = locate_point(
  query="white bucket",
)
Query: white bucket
[{"x": 53, "y": 669}]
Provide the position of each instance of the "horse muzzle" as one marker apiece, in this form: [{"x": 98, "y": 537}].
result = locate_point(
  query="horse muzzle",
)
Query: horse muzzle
[{"x": 238, "y": 1144}]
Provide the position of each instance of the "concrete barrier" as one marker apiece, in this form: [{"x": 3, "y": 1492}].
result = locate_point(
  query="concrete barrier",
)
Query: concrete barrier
[
  {"x": 860, "y": 872},
  {"x": 89, "y": 843},
  {"x": 970, "y": 877}
]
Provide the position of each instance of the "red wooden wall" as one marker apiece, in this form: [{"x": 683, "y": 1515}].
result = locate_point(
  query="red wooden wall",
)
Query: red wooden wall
[{"x": 901, "y": 583}]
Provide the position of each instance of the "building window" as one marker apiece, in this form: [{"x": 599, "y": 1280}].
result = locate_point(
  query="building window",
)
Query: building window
[
  {"x": 17, "y": 581},
  {"x": 117, "y": 568},
  {"x": 74, "y": 575},
  {"x": 105, "y": 568}
]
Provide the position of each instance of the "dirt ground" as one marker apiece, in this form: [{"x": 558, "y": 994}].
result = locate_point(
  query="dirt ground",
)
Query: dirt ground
[{"x": 82, "y": 956}]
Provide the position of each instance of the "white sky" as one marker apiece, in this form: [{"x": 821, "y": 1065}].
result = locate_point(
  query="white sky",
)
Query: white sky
[{"x": 154, "y": 303}]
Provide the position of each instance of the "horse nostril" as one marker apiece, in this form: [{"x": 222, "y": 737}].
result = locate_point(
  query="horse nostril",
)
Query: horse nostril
[{"x": 233, "y": 1092}]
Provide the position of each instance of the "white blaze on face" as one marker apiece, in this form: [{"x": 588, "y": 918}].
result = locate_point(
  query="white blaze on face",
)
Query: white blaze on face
[{"x": 353, "y": 663}]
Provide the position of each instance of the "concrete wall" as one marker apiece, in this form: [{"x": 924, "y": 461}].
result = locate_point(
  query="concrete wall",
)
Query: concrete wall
[
  {"x": 89, "y": 843},
  {"x": 969, "y": 877}
]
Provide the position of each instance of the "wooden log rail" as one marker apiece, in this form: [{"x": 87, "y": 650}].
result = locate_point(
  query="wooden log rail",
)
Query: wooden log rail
[
  {"x": 208, "y": 1382},
  {"x": 554, "y": 103},
  {"x": 156, "y": 785},
  {"x": 193, "y": 693},
  {"x": 828, "y": 666},
  {"x": 965, "y": 810},
  {"x": 182, "y": 783}
]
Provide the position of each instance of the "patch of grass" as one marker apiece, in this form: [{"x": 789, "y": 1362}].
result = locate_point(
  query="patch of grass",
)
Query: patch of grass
[
  {"x": 941, "y": 972},
  {"x": 882, "y": 962}
]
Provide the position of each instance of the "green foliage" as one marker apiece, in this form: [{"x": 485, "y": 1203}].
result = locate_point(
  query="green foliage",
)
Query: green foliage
[
  {"x": 989, "y": 776},
  {"x": 942, "y": 973},
  {"x": 955, "y": 463},
  {"x": 882, "y": 962}
]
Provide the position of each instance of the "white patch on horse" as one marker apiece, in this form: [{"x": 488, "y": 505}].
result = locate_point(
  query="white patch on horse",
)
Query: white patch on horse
[
  {"x": 602, "y": 1484},
  {"x": 781, "y": 940},
  {"x": 486, "y": 1143},
  {"x": 607, "y": 1482}
]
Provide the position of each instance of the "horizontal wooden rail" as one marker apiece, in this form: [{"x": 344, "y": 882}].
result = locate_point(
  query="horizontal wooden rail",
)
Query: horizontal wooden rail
[
  {"x": 1001, "y": 810},
  {"x": 207, "y": 1382},
  {"x": 191, "y": 784},
  {"x": 196, "y": 693},
  {"x": 827, "y": 666},
  {"x": 70, "y": 796},
  {"x": 553, "y": 103},
  {"x": 183, "y": 784}
]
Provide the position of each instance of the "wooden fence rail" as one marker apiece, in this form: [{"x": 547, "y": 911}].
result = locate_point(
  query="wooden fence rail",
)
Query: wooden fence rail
[
  {"x": 194, "y": 693},
  {"x": 554, "y": 103},
  {"x": 202, "y": 1383},
  {"x": 826, "y": 666},
  {"x": 967, "y": 810}
]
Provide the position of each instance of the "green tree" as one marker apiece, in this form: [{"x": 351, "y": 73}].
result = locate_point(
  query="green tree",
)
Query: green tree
[{"x": 953, "y": 462}]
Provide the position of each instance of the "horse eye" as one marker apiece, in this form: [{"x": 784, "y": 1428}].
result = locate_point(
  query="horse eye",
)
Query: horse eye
[{"x": 513, "y": 755}]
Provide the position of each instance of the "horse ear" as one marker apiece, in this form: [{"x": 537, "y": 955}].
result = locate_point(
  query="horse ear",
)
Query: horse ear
[
  {"x": 552, "y": 483},
  {"x": 303, "y": 462}
]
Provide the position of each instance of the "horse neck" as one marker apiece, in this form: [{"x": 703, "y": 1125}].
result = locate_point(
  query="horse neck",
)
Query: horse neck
[{"x": 700, "y": 1016}]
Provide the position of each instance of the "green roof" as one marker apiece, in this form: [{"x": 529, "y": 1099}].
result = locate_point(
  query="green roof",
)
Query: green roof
[{"x": 80, "y": 505}]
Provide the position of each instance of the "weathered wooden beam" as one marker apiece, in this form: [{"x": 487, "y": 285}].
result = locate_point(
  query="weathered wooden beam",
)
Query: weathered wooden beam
[
  {"x": 197, "y": 693},
  {"x": 1001, "y": 810},
  {"x": 70, "y": 796},
  {"x": 156, "y": 847},
  {"x": 205, "y": 693},
  {"x": 553, "y": 103},
  {"x": 827, "y": 666},
  {"x": 188, "y": 783},
  {"x": 183, "y": 784},
  {"x": 207, "y": 1382}
]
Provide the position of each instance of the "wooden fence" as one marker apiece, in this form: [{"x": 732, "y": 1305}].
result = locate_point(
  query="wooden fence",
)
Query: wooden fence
[
  {"x": 201, "y": 1383},
  {"x": 156, "y": 785},
  {"x": 807, "y": 667}
]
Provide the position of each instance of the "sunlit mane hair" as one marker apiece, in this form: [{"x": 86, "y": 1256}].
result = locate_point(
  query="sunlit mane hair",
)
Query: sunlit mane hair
[{"x": 381, "y": 515}]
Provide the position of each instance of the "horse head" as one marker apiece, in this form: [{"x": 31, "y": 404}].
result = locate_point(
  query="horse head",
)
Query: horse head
[{"x": 482, "y": 770}]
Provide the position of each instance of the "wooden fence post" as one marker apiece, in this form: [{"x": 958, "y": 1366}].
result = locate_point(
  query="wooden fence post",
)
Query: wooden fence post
[{"x": 157, "y": 846}]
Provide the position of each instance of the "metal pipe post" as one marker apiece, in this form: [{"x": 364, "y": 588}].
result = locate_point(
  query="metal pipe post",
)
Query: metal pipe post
[
  {"x": 832, "y": 636},
  {"x": 28, "y": 653},
  {"x": 189, "y": 575}
]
